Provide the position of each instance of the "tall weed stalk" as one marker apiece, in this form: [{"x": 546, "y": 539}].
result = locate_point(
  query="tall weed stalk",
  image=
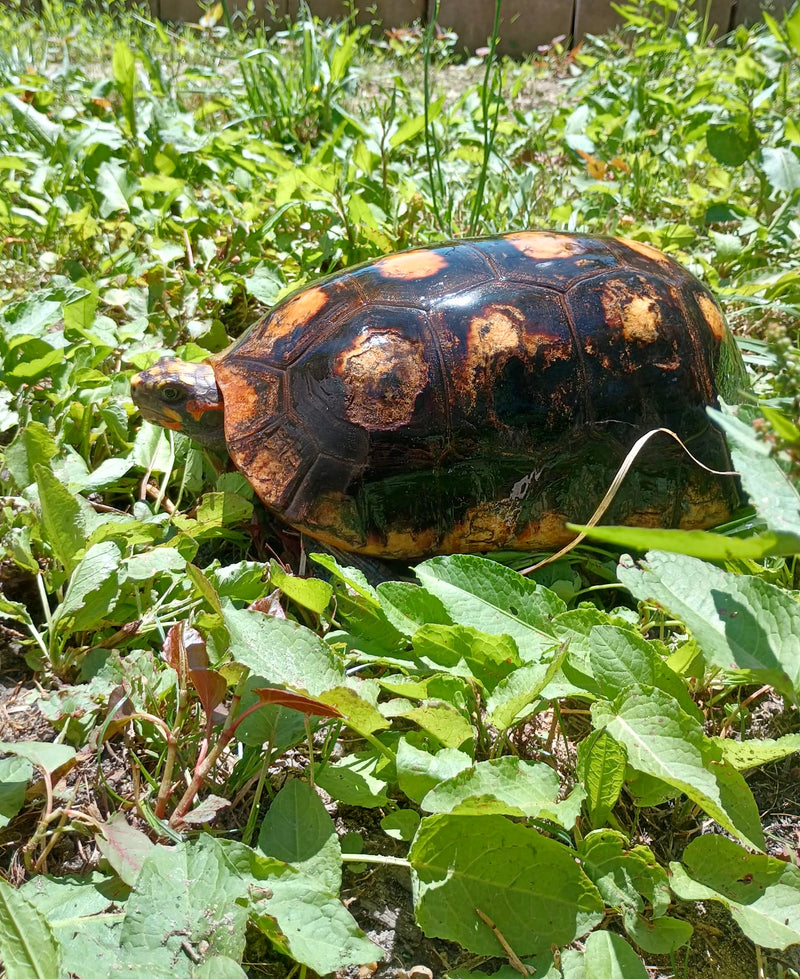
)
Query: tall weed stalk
[
  {"x": 492, "y": 79},
  {"x": 433, "y": 153}
]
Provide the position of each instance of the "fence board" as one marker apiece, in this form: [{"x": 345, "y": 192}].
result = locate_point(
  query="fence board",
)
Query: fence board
[
  {"x": 524, "y": 26},
  {"x": 597, "y": 16}
]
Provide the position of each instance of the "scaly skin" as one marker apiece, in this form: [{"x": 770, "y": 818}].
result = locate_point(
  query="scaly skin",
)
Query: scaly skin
[{"x": 183, "y": 397}]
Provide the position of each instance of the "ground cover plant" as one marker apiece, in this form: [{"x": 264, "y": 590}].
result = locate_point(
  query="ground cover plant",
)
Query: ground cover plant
[{"x": 215, "y": 766}]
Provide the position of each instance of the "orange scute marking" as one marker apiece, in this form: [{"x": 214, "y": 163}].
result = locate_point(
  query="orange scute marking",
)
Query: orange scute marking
[
  {"x": 543, "y": 245},
  {"x": 283, "y": 321},
  {"x": 305, "y": 305},
  {"x": 647, "y": 250},
  {"x": 712, "y": 315},
  {"x": 410, "y": 266}
]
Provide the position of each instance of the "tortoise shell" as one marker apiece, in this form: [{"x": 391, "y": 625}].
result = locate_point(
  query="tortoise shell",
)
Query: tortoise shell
[{"x": 478, "y": 394}]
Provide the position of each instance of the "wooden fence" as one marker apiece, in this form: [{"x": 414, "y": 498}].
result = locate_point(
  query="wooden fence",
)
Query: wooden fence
[{"x": 524, "y": 26}]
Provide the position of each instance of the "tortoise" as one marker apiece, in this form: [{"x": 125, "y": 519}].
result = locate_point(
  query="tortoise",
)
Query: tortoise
[{"x": 471, "y": 396}]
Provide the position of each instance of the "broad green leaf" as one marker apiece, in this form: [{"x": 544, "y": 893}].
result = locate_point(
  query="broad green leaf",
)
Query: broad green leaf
[
  {"x": 401, "y": 824},
  {"x": 107, "y": 474},
  {"x": 16, "y": 611},
  {"x": 658, "y": 936},
  {"x": 663, "y": 741},
  {"x": 467, "y": 651},
  {"x": 761, "y": 892},
  {"x": 311, "y": 593},
  {"x": 776, "y": 500},
  {"x": 281, "y": 651},
  {"x": 622, "y": 657},
  {"x": 505, "y": 786},
  {"x": 731, "y": 144},
  {"x": 411, "y": 127},
  {"x": 409, "y": 607},
  {"x": 355, "y": 779},
  {"x": 31, "y": 120},
  {"x": 15, "y": 774},
  {"x": 625, "y": 876},
  {"x": 279, "y": 727},
  {"x": 28, "y": 949},
  {"x": 301, "y": 919},
  {"x": 697, "y": 543},
  {"x": 609, "y": 956},
  {"x": 528, "y": 885},
  {"x": 163, "y": 912},
  {"x": 601, "y": 769},
  {"x": 782, "y": 168},
  {"x": 507, "y": 703},
  {"x": 361, "y": 715},
  {"x": 740, "y": 621},
  {"x": 783, "y": 426},
  {"x": 124, "y": 66},
  {"x": 298, "y": 830},
  {"x": 62, "y": 518},
  {"x": 493, "y": 598},
  {"x": 792, "y": 24},
  {"x": 214, "y": 512},
  {"x": 124, "y": 847},
  {"x": 112, "y": 186},
  {"x": 43, "y": 754},
  {"x": 219, "y": 967},
  {"x": 160, "y": 183},
  {"x": 92, "y": 590},
  {"x": 743, "y": 755},
  {"x": 33, "y": 445},
  {"x": 447, "y": 724},
  {"x": 62, "y": 900},
  {"x": 420, "y": 771},
  {"x": 158, "y": 560}
]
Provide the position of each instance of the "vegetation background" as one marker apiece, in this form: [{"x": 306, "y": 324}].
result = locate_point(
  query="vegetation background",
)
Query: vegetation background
[{"x": 213, "y": 767}]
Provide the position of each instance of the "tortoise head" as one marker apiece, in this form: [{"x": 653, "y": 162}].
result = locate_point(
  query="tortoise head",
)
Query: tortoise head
[{"x": 183, "y": 397}]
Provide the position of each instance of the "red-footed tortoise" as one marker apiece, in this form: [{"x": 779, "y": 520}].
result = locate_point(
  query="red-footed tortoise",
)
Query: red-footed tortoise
[{"x": 471, "y": 396}]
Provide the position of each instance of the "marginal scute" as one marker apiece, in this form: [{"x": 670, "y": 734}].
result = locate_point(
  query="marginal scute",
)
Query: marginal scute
[
  {"x": 545, "y": 246},
  {"x": 384, "y": 373},
  {"x": 282, "y": 323},
  {"x": 712, "y": 315},
  {"x": 646, "y": 250},
  {"x": 417, "y": 264},
  {"x": 488, "y": 524},
  {"x": 271, "y": 463}
]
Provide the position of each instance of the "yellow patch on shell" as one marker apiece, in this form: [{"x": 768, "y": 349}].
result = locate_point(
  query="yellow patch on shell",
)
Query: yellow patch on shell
[
  {"x": 548, "y": 534},
  {"x": 646, "y": 250},
  {"x": 421, "y": 263},
  {"x": 712, "y": 315},
  {"x": 638, "y": 315},
  {"x": 326, "y": 522},
  {"x": 384, "y": 374},
  {"x": 495, "y": 335},
  {"x": 401, "y": 544},
  {"x": 486, "y": 526},
  {"x": 544, "y": 246}
]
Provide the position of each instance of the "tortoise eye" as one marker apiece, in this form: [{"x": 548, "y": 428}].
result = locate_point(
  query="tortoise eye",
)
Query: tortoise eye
[{"x": 171, "y": 393}]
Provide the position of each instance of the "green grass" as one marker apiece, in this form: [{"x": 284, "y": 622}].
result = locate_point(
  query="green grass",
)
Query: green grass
[{"x": 160, "y": 187}]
